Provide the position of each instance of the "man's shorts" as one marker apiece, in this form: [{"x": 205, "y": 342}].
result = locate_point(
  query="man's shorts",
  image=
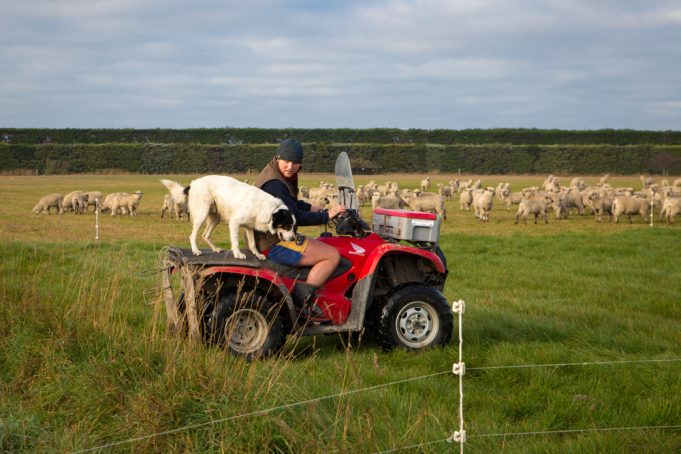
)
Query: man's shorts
[{"x": 288, "y": 252}]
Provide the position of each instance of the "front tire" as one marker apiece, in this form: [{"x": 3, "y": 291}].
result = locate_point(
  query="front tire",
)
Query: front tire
[
  {"x": 247, "y": 324},
  {"x": 414, "y": 318}
]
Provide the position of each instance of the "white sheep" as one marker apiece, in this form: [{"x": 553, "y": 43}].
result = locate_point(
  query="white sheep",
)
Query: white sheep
[
  {"x": 106, "y": 205},
  {"x": 75, "y": 201},
  {"x": 129, "y": 201},
  {"x": 434, "y": 203},
  {"x": 483, "y": 199},
  {"x": 670, "y": 208},
  {"x": 465, "y": 185},
  {"x": 536, "y": 206},
  {"x": 646, "y": 181},
  {"x": 425, "y": 183},
  {"x": 178, "y": 199},
  {"x": 444, "y": 191},
  {"x": 573, "y": 199},
  {"x": 92, "y": 199},
  {"x": 454, "y": 186},
  {"x": 512, "y": 198},
  {"x": 391, "y": 201},
  {"x": 466, "y": 199},
  {"x": 47, "y": 202},
  {"x": 601, "y": 203},
  {"x": 629, "y": 206},
  {"x": 167, "y": 205},
  {"x": 559, "y": 205}
]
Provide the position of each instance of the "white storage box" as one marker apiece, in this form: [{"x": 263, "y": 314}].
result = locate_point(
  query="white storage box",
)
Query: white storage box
[{"x": 406, "y": 225}]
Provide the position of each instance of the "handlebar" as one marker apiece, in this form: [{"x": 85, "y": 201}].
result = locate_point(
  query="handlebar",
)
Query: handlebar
[{"x": 351, "y": 223}]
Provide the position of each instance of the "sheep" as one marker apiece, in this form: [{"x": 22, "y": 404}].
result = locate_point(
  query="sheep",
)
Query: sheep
[
  {"x": 482, "y": 203},
  {"x": 434, "y": 203},
  {"x": 578, "y": 183},
  {"x": 47, "y": 202},
  {"x": 108, "y": 202},
  {"x": 559, "y": 205},
  {"x": 167, "y": 205},
  {"x": 629, "y": 206},
  {"x": 601, "y": 203},
  {"x": 454, "y": 186},
  {"x": 465, "y": 185},
  {"x": 320, "y": 193},
  {"x": 128, "y": 201},
  {"x": 503, "y": 189},
  {"x": 178, "y": 199},
  {"x": 386, "y": 201},
  {"x": 604, "y": 180},
  {"x": 512, "y": 198},
  {"x": 573, "y": 199},
  {"x": 361, "y": 195},
  {"x": 551, "y": 184},
  {"x": 321, "y": 201},
  {"x": 425, "y": 184},
  {"x": 304, "y": 192},
  {"x": 76, "y": 201},
  {"x": 536, "y": 206},
  {"x": 466, "y": 199},
  {"x": 444, "y": 191},
  {"x": 384, "y": 188},
  {"x": 93, "y": 198},
  {"x": 646, "y": 181},
  {"x": 670, "y": 208},
  {"x": 677, "y": 183}
]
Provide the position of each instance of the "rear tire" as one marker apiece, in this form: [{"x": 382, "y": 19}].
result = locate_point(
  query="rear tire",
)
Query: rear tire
[
  {"x": 247, "y": 324},
  {"x": 414, "y": 318}
]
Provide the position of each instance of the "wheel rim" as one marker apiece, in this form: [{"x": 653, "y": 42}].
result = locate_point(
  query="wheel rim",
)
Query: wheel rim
[
  {"x": 417, "y": 324},
  {"x": 246, "y": 330}
]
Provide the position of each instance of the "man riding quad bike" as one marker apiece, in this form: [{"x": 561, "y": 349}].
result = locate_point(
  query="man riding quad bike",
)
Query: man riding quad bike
[{"x": 389, "y": 281}]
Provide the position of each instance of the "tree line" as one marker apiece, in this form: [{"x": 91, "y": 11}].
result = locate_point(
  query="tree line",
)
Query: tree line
[
  {"x": 475, "y": 158},
  {"x": 239, "y": 136}
]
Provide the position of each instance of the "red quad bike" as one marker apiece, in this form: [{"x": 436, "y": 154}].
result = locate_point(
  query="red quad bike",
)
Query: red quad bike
[{"x": 389, "y": 282}]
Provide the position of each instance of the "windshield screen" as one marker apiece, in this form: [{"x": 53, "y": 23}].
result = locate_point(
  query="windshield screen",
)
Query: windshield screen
[{"x": 344, "y": 182}]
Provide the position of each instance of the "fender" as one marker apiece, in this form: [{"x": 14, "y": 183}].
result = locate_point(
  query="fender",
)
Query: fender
[
  {"x": 365, "y": 285},
  {"x": 258, "y": 273},
  {"x": 378, "y": 253}
]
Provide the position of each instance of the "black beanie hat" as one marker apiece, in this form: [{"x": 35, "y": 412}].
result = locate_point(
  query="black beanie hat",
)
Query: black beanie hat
[{"x": 290, "y": 150}]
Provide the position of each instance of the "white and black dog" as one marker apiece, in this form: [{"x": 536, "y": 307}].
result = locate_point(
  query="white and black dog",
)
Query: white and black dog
[{"x": 214, "y": 197}]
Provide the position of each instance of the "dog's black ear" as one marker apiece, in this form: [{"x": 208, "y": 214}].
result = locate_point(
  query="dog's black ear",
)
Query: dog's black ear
[
  {"x": 282, "y": 218},
  {"x": 185, "y": 191}
]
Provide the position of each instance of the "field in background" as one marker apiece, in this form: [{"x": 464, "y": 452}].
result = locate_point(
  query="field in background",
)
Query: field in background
[
  {"x": 17, "y": 222},
  {"x": 85, "y": 360}
]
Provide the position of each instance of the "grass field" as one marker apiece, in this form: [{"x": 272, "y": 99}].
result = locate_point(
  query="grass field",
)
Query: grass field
[{"x": 86, "y": 362}]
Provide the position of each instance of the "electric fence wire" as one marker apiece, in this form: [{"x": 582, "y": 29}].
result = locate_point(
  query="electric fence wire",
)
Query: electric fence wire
[
  {"x": 372, "y": 388},
  {"x": 539, "y": 432}
]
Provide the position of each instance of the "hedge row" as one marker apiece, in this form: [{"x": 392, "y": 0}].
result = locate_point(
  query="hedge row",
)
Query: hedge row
[
  {"x": 378, "y": 135},
  {"x": 320, "y": 157}
]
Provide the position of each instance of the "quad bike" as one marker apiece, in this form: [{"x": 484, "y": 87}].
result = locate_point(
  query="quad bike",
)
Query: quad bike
[{"x": 389, "y": 282}]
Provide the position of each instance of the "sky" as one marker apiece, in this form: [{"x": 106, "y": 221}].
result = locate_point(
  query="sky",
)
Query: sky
[{"x": 429, "y": 64}]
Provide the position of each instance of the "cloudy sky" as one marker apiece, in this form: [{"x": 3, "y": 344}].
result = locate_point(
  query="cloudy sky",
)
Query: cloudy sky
[{"x": 569, "y": 64}]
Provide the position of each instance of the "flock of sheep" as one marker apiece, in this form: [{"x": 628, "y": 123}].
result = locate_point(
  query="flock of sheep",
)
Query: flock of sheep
[
  {"x": 601, "y": 198},
  {"x": 79, "y": 201}
]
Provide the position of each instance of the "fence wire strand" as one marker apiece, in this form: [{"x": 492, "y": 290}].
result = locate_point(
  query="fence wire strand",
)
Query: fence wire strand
[
  {"x": 541, "y": 432},
  {"x": 372, "y": 388}
]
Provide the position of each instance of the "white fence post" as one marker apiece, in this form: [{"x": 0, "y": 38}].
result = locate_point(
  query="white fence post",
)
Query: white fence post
[{"x": 459, "y": 368}]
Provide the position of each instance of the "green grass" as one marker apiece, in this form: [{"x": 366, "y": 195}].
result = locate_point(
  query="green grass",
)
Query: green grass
[{"x": 86, "y": 361}]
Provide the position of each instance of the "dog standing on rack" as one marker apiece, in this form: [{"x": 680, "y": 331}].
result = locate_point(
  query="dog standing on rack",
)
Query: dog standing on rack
[{"x": 214, "y": 198}]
